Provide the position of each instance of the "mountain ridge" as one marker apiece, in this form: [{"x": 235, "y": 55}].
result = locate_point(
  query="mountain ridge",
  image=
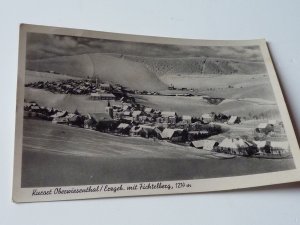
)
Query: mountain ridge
[{"x": 142, "y": 73}]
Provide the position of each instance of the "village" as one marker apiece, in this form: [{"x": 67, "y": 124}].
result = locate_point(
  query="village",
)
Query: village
[
  {"x": 132, "y": 119},
  {"x": 105, "y": 91}
]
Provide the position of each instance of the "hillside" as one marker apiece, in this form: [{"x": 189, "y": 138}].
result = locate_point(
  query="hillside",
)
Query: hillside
[
  {"x": 142, "y": 73},
  {"x": 106, "y": 67},
  {"x": 199, "y": 65}
]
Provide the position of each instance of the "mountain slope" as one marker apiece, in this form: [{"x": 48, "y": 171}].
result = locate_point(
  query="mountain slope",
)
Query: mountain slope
[
  {"x": 199, "y": 65},
  {"x": 142, "y": 73},
  {"x": 106, "y": 67}
]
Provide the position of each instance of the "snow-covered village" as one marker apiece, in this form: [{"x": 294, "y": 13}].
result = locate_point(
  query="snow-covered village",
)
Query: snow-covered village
[
  {"x": 123, "y": 116},
  {"x": 113, "y": 111}
]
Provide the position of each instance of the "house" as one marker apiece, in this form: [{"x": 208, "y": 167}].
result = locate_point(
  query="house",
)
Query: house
[
  {"x": 50, "y": 111},
  {"x": 126, "y": 113},
  {"x": 102, "y": 96},
  {"x": 169, "y": 117},
  {"x": 127, "y": 119},
  {"x": 210, "y": 144},
  {"x": 59, "y": 114},
  {"x": 237, "y": 146},
  {"x": 27, "y": 106},
  {"x": 172, "y": 134},
  {"x": 187, "y": 118},
  {"x": 142, "y": 119},
  {"x": 60, "y": 120},
  {"x": 70, "y": 115},
  {"x": 35, "y": 108},
  {"x": 168, "y": 114},
  {"x": 75, "y": 120},
  {"x": 207, "y": 118},
  {"x": 165, "y": 125},
  {"x": 196, "y": 125},
  {"x": 117, "y": 106},
  {"x": 159, "y": 120},
  {"x": 274, "y": 147},
  {"x": 105, "y": 86},
  {"x": 123, "y": 128},
  {"x": 150, "y": 119},
  {"x": 205, "y": 144},
  {"x": 272, "y": 122},
  {"x": 182, "y": 125},
  {"x": 135, "y": 131},
  {"x": 222, "y": 118},
  {"x": 264, "y": 128},
  {"x": 95, "y": 96},
  {"x": 260, "y": 146},
  {"x": 148, "y": 131},
  {"x": 158, "y": 131},
  {"x": 234, "y": 120},
  {"x": 100, "y": 117},
  {"x": 148, "y": 110},
  {"x": 277, "y": 127},
  {"x": 126, "y": 107},
  {"x": 171, "y": 87},
  {"x": 107, "y": 96},
  {"x": 128, "y": 104},
  {"x": 136, "y": 114},
  {"x": 99, "y": 121},
  {"x": 228, "y": 145},
  {"x": 279, "y": 147}
]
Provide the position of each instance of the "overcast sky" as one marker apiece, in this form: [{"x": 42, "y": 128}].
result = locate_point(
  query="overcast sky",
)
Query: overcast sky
[{"x": 41, "y": 46}]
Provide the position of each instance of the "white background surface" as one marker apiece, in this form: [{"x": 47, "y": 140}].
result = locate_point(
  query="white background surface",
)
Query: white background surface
[{"x": 277, "y": 21}]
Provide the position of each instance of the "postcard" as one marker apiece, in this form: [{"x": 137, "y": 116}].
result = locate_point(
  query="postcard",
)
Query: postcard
[{"x": 105, "y": 115}]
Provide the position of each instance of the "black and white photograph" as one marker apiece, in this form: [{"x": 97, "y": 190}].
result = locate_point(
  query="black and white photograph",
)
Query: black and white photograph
[{"x": 113, "y": 109}]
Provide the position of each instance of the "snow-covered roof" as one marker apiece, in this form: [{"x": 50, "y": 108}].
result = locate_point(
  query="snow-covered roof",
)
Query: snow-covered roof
[
  {"x": 123, "y": 126},
  {"x": 95, "y": 95},
  {"x": 168, "y": 114},
  {"x": 273, "y": 144},
  {"x": 168, "y": 133},
  {"x": 128, "y": 118},
  {"x": 186, "y": 117},
  {"x": 205, "y": 144},
  {"x": 35, "y": 107},
  {"x": 206, "y": 116},
  {"x": 59, "y": 114},
  {"x": 272, "y": 122},
  {"x": 232, "y": 119},
  {"x": 203, "y": 132},
  {"x": 146, "y": 127},
  {"x": 70, "y": 115},
  {"x": 260, "y": 144},
  {"x": 127, "y": 113},
  {"x": 100, "y": 117},
  {"x": 280, "y": 145},
  {"x": 136, "y": 113},
  {"x": 262, "y": 125},
  {"x": 148, "y": 110},
  {"x": 27, "y": 104},
  {"x": 105, "y": 85},
  {"x": 234, "y": 143}
]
